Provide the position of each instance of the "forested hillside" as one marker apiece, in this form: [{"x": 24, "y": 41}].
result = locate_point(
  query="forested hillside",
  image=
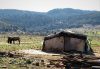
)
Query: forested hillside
[{"x": 28, "y": 21}]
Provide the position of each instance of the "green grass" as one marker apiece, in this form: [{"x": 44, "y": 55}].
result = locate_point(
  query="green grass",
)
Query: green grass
[
  {"x": 94, "y": 37},
  {"x": 95, "y": 41},
  {"x": 34, "y": 42},
  {"x": 27, "y": 42}
]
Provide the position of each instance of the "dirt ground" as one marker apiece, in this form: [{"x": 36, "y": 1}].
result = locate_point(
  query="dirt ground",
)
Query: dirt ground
[
  {"x": 45, "y": 58},
  {"x": 34, "y": 59},
  {"x": 96, "y": 49}
]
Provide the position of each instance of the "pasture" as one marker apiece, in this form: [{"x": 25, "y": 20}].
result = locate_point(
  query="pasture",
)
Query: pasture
[
  {"x": 27, "y": 42},
  {"x": 35, "y": 42}
]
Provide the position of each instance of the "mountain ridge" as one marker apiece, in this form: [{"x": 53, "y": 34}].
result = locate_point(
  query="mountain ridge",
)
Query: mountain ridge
[{"x": 31, "y": 21}]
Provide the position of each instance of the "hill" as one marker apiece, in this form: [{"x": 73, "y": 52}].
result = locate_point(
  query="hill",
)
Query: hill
[{"x": 28, "y": 21}]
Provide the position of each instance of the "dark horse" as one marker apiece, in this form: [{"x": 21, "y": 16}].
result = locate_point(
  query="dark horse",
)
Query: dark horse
[{"x": 13, "y": 39}]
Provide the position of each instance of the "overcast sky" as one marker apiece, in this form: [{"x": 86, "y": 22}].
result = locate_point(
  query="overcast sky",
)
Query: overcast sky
[{"x": 46, "y": 5}]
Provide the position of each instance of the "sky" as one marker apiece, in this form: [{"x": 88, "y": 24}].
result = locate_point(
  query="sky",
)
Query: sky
[{"x": 46, "y": 5}]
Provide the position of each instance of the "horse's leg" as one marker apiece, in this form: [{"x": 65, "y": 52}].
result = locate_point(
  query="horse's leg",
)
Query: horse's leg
[
  {"x": 19, "y": 41},
  {"x": 13, "y": 41},
  {"x": 10, "y": 41}
]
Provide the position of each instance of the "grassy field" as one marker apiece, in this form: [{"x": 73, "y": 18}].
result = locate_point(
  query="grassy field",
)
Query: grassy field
[
  {"x": 34, "y": 42},
  {"x": 30, "y": 42},
  {"x": 27, "y": 42},
  {"x": 93, "y": 36}
]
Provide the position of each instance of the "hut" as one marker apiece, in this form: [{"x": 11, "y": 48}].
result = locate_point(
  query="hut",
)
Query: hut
[{"x": 66, "y": 42}]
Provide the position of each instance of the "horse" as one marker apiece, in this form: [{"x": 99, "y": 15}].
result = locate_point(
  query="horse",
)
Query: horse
[{"x": 13, "y": 39}]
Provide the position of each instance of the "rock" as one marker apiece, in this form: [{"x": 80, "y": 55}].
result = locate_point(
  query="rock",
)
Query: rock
[
  {"x": 48, "y": 66},
  {"x": 37, "y": 64}
]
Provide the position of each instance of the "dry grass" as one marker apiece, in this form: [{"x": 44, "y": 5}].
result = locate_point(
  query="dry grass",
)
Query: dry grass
[
  {"x": 27, "y": 42},
  {"x": 96, "y": 49}
]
